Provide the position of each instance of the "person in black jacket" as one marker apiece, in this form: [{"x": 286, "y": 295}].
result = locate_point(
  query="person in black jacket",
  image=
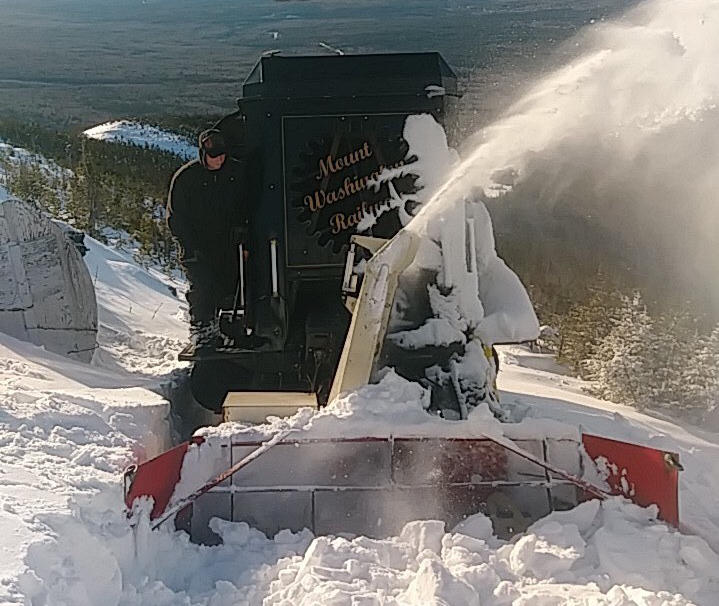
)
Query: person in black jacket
[{"x": 206, "y": 214}]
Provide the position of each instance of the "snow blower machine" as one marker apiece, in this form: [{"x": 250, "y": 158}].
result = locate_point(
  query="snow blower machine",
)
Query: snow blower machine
[{"x": 369, "y": 284}]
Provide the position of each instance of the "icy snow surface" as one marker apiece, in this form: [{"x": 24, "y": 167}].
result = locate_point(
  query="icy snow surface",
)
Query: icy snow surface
[
  {"x": 609, "y": 554},
  {"x": 67, "y": 430},
  {"x": 142, "y": 324},
  {"x": 63, "y": 444},
  {"x": 143, "y": 135}
]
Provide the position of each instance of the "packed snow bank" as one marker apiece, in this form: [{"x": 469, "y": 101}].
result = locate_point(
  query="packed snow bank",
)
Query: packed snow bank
[
  {"x": 141, "y": 311},
  {"x": 46, "y": 294},
  {"x": 392, "y": 407},
  {"x": 70, "y": 543},
  {"x": 143, "y": 135},
  {"x": 613, "y": 554},
  {"x": 66, "y": 431}
]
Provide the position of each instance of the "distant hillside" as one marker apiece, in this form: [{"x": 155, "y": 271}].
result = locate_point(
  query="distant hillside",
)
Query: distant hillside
[{"x": 76, "y": 63}]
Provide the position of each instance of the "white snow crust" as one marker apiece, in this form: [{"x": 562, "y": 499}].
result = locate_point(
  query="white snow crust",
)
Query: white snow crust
[
  {"x": 141, "y": 323},
  {"x": 143, "y": 135},
  {"x": 67, "y": 430},
  {"x": 613, "y": 553}
]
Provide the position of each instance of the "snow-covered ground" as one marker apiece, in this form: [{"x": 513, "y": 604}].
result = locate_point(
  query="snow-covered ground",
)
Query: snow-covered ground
[
  {"x": 19, "y": 155},
  {"x": 67, "y": 430},
  {"x": 531, "y": 380},
  {"x": 142, "y": 324},
  {"x": 143, "y": 135}
]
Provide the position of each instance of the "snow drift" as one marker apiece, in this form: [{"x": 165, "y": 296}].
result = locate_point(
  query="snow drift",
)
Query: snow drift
[
  {"x": 644, "y": 86},
  {"x": 46, "y": 294}
]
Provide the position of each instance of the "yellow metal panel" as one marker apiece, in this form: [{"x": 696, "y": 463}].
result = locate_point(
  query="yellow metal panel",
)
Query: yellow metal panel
[{"x": 256, "y": 406}]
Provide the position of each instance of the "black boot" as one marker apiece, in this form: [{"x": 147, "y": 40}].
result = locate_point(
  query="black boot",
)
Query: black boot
[{"x": 204, "y": 335}]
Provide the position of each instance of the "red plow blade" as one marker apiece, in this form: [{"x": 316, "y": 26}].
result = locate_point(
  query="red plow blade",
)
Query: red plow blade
[
  {"x": 373, "y": 486},
  {"x": 644, "y": 475}
]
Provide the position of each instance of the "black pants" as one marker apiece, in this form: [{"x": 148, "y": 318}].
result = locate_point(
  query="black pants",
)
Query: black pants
[{"x": 205, "y": 292}]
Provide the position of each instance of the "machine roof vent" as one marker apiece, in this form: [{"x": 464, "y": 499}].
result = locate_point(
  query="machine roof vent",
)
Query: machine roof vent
[{"x": 349, "y": 75}]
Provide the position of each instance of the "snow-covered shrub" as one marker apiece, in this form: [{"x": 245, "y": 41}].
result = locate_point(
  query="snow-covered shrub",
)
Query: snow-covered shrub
[
  {"x": 700, "y": 380},
  {"x": 587, "y": 323},
  {"x": 620, "y": 367},
  {"x": 656, "y": 362}
]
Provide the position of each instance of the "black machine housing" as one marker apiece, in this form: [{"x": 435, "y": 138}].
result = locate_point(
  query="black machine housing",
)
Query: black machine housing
[{"x": 315, "y": 131}]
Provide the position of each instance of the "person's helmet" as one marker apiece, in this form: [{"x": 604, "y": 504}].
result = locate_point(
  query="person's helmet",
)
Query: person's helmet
[{"x": 211, "y": 143}]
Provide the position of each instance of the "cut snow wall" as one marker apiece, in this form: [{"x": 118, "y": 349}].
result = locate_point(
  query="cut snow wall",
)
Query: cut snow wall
[{"x": 46, "y": 293}]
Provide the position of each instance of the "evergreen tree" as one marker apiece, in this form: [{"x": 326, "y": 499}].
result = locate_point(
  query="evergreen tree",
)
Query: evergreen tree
[
  {"x": 109, "y": 188},
  {"x": 587, "y": 323},
  {"x": 700, "y": 379},
  {"x": 670, "y": 348},
  {"x": 30, "y": 181},
  {"x": 621, "y": 368}
]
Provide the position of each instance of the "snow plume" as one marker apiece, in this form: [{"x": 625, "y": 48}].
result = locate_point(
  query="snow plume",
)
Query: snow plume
[{"x": 626, "y": 136}]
